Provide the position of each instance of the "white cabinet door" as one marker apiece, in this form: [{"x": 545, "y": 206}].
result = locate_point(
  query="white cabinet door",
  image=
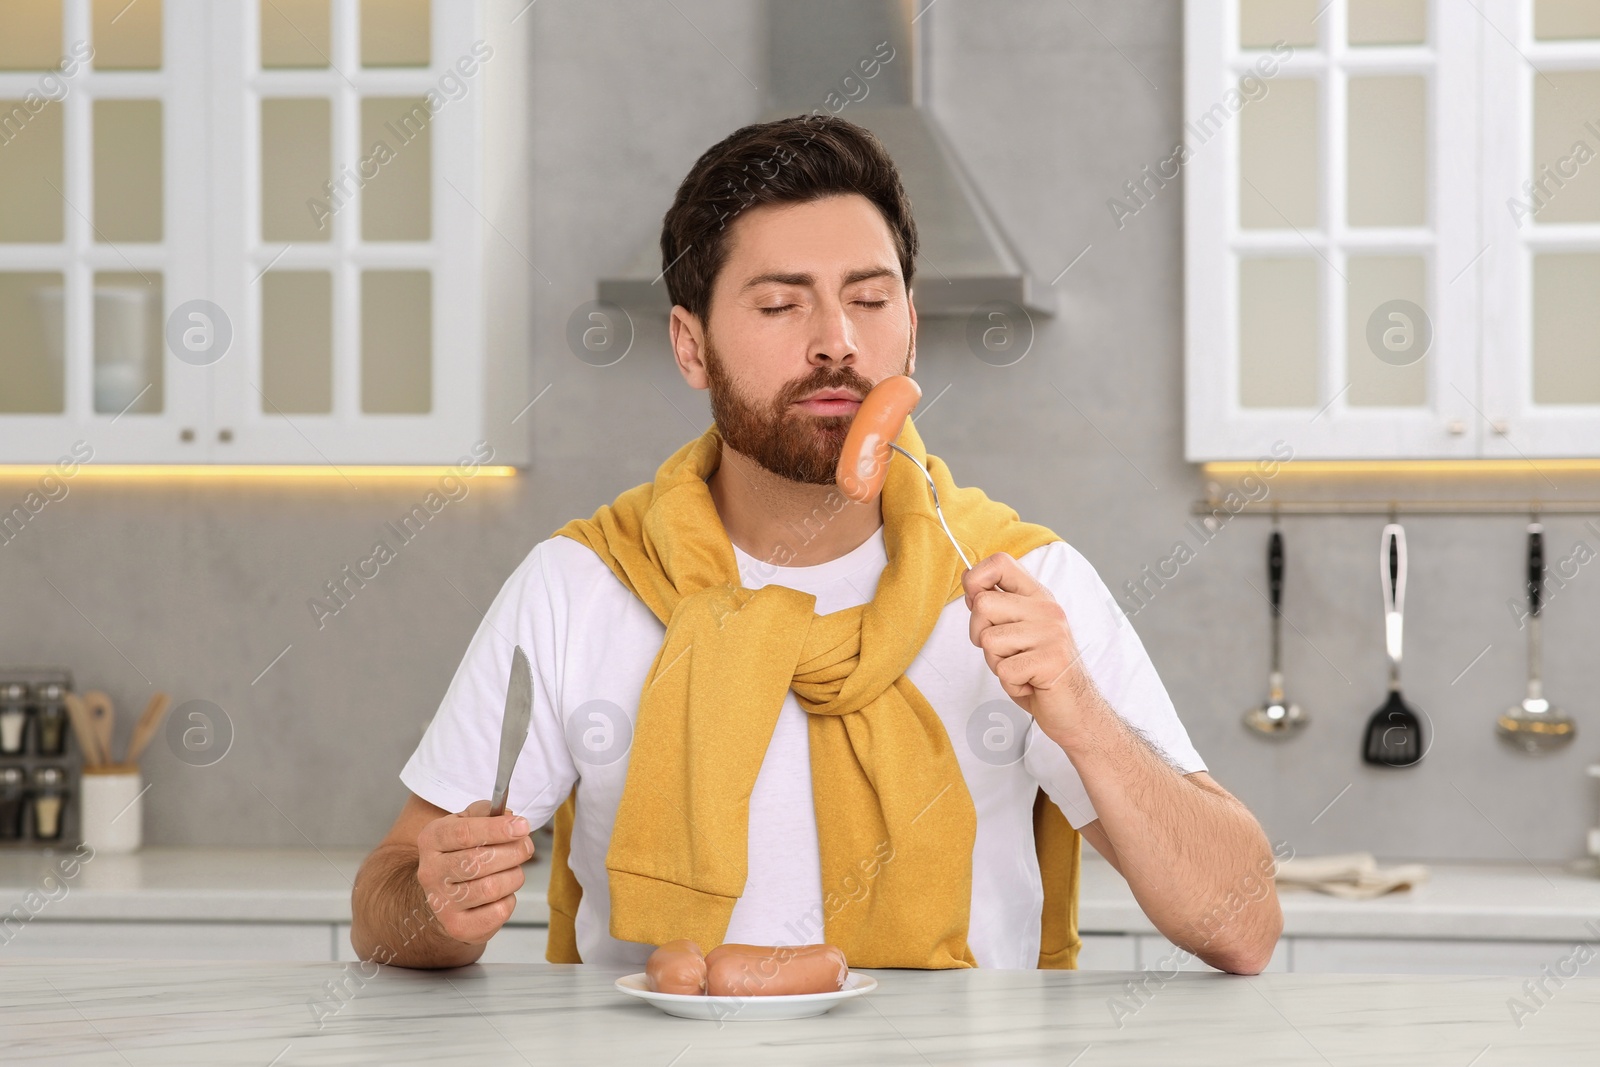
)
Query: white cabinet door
[
  {"x": 44, "y": 939},
  {"x": 513, "y": 944},
  {"x": 1158, "y": 954},
  {"x": 262, "y": 241},
  {"x": 349, "y": 235},
  {"x": 1108, "y": 952},
  {"x": 101, "y": 238},
  {"x": 1311, "y": 281},
  {"x": 1338, "y": 955},
  {"x": 518, "y": 944},
  {"x": 1541, "y": 223}
]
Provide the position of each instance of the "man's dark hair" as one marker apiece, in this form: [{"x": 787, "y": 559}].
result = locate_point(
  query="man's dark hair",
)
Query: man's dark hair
[{"x": 790, "y": 160}]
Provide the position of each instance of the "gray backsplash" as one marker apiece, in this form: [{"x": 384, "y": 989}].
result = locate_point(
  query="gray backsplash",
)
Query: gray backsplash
[{"x": 196, "y": 588}]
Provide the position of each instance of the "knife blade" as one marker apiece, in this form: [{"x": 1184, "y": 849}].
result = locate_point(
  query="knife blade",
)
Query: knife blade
[{"x": 513, "y": 728}]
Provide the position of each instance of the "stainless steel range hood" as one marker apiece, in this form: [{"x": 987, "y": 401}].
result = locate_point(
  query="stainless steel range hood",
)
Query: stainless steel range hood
[{"x": 812, "y": 63}]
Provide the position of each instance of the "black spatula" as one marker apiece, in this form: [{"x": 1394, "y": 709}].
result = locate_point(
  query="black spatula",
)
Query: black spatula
[{"x": 1394, "y": 733}]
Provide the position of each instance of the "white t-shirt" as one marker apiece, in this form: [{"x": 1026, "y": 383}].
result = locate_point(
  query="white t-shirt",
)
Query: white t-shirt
[{"x": 591, "y": 643}]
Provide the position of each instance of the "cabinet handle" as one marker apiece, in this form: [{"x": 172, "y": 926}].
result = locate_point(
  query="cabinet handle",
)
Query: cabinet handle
[
  {"x": 1457, "y": 427},
  {"x": 186, "y": 435},
  {"x": 225, "y": 435},
  {"x": 1500, "y": 426}
]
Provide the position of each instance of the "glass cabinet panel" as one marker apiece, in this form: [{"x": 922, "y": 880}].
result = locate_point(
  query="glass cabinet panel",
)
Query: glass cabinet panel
[
  {"x": 32, "y": 34},
  {"x": 1383, "y": 22},
  {"x": 1566, "y": 328},
  {"x": 1565, "y": 177},
  {"x": 1388, "y": 153},
  {"x": 126, "y": 35},
  {"x": 297, "y": 342},
  {"x": 128, "y": 342},
  {"x": 394, "y": 33},
  {"x": 1387, "y": 341},
  {"x": 396, "y": 200},
  {"x": 396, "y": 341},
  {"x": 1557, "y": 20},
  {"x": 296, "y": 163},
  {"x": 127, "y": 170},
  {"x": 1263, "y": 23},
  {"x": 31, "y": 342},
  {"x": 1279, "y": 327},
  {"x": 1280, "y": 157},
  {"x": 296, "y": 33},
  {"x": 31, "y": 169}
]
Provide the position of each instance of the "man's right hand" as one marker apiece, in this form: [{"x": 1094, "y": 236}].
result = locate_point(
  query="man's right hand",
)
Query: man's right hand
[{"x": 470, "y": 867}]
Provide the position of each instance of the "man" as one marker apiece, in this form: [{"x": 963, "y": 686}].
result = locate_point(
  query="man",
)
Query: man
[{"x": 765, "y": 714}]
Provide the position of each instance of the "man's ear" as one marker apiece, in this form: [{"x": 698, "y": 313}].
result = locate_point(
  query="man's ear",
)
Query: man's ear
[
  {"x": 911, "y": 360},
  {"x": 688, "y": 346}
]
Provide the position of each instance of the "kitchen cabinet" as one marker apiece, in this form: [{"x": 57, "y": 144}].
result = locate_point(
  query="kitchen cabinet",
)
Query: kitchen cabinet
[
  {"x": 1162, "y": 956},
  {"x": 1108, "y": 952},
  {"x": 245, "y": 233},
  {"x": 228, "y": 941},
  {"x": 172, "y": 941},
  {"x": 513, "y": 944},
  {"x": 1355, "y": 955},
  {"x": 1392, "y": 230}
]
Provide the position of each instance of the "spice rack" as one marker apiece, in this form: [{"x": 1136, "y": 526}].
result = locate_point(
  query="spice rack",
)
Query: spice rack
[{"x": 40, "y": 765}]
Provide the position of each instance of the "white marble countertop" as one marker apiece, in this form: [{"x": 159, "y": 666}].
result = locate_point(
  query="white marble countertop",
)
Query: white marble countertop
[
  {"x": 286, "y": 1015},
  {"x": 288, "y": 885},
  {"x": 1521, "y": 901},
  {"x": 1472, "y": 901}
]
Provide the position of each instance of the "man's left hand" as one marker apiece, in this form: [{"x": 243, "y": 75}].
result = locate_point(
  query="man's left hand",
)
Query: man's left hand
[{"x": 1026, "y": 641}]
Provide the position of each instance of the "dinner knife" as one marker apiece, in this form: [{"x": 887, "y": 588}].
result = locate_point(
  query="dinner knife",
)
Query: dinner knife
[{"x": 513, "y": 728}]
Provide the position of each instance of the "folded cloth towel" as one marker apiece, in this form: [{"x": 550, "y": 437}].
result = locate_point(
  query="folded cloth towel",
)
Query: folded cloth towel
[{"x": 1353, "y": 875}]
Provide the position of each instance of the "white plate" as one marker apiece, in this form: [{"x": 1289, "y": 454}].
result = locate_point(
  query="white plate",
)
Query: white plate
[{"x": 747, "y": 1009}]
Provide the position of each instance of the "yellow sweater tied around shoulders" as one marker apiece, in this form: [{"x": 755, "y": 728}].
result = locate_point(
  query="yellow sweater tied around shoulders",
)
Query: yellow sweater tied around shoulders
[{"x": 895, "y": 821}]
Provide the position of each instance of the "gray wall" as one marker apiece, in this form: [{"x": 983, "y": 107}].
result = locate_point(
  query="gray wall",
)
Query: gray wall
[{"x": 198, "y": 587}]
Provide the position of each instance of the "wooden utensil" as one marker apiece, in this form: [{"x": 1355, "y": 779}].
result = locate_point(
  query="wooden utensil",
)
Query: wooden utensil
[
  {"x": 149, "y": 722},
  {"x": 84, "y": 729},
  {"x": 102, "y": 714}
]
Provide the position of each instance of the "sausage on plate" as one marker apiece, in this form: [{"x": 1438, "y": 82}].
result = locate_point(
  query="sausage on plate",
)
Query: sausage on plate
[
  {"x": 773, "y": 971},
  {"x": 677, "y": 967}
]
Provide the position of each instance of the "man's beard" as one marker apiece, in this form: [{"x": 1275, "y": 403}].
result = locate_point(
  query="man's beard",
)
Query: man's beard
[{"x": 791, "y": 443}]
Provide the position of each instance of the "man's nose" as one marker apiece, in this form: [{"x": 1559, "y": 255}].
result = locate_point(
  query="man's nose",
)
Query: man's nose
[{"x": 834, "y": 342}]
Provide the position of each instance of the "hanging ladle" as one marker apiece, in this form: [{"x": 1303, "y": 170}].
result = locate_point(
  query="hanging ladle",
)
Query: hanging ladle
[
  {"x": 1533, "y": 725},
  {"x": 1277, "y": 717}
]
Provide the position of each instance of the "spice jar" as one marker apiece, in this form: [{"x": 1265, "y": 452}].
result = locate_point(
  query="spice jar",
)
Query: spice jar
[
  {"x": 49, "y": 803},
  {"x": 50, "y": 719},
  {"x": 13, "y": 718},
  {"x": 12, "y": 803}
]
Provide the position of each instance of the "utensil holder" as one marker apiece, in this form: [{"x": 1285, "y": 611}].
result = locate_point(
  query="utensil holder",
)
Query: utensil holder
[{"x": 112, "y": 808}]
